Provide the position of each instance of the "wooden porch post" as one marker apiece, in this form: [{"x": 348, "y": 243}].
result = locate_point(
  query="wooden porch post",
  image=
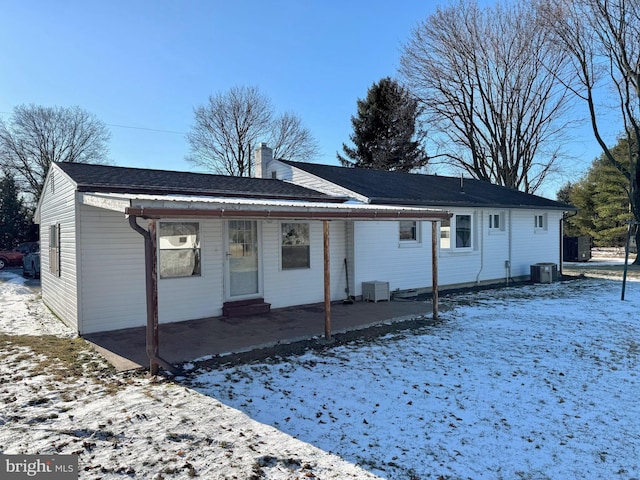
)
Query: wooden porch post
[
  {"x": 153, "y": 342},
  {"x": 327, "y": 281},
  {"x": 434, "y": 267},
  {"x": 151, "y": 296}
]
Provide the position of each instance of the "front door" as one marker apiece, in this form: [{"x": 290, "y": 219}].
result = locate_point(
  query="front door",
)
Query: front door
[{"x": 243, "y": 265}]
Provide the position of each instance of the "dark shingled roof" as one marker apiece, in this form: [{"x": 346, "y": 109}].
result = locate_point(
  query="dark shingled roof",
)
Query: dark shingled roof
[
  {"x": 395, "y": 188},
  {"x": 103, "y": 178}
]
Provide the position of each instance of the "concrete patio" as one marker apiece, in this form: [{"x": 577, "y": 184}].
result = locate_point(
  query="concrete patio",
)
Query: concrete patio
[{"x": 220, "y": 337}]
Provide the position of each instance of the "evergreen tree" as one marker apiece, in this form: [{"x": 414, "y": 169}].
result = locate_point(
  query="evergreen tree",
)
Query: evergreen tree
[
  {"x": 581, "y": 196},
  {"x": 564, "y": 195},
  {"x": 603, "y": 200},
  {"x": 385, "y": 131},
  {"x": 15, "y": 217}
]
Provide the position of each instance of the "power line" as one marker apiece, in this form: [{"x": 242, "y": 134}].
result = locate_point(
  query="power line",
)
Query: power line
[
  {"x": 144, "y": 128},
  {"x": 128, "y": 126}
]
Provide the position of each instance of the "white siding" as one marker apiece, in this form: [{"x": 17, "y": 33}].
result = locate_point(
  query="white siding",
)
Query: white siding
[
  {"x": 112, "y": 269},
  {"x": 283, "y": 288},
  {"x": 349, "y": 234},
  {"x": 494, "y": 251},
  {"x": 461, "y": 267},
  {"x": 519, "y": 243},
  {"x": 530, "y": 246},
  {"x": 305, "y": 179},
  {"x": 58, "y": 206},
  {"x": 196, "y": 297},
  {"x": 379, "y": 255}
]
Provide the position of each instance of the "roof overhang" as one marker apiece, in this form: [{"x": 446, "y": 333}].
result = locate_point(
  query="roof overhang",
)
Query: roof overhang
[
  {"x": 163, "y": 206},
  {"x": 470, "y": 204}
]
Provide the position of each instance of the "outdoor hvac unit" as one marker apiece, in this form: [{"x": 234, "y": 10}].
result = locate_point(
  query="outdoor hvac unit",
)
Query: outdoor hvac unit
[
  {"x": 375, "y": 291},
  {"x": 576, "y": 249},
  {"x": 544, "y": 272}
]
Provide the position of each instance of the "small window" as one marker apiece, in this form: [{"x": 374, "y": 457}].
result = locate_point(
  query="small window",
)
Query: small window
[
  {"x": 408, "y": 231},
  {"x": 179, "y": 245},
  {"x": 54, "y": 249},
  {"x": 445, "y": 233},
  {"x": 496, "y": 222},
  {"x": 463, "y": 231},
  {"x": 295, "y": 246},
  {"x": 540, "y": 222}
]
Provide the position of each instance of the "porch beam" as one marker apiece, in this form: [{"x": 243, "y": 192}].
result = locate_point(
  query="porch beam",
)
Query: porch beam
[{"x": 342, "y": 214}]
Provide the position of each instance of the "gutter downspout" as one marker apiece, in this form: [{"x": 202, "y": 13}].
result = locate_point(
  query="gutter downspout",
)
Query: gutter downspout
[{"x": 151, "y": 282}]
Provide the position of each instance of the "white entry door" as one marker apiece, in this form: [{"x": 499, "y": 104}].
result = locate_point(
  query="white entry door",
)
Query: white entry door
[{"x": 243, "y": 259}]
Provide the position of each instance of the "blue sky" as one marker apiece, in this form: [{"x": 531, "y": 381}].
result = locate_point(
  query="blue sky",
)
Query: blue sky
[{"x": 147, "y": 64}]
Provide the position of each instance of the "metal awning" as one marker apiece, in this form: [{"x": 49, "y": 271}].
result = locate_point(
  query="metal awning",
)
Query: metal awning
[{"x": 173, "y": 206}]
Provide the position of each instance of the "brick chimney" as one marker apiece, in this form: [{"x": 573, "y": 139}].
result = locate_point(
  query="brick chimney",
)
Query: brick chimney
[{"x": 263, "y": 157}]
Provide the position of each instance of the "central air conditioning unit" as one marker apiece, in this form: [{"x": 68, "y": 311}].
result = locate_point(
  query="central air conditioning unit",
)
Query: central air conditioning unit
[{"x": 544, "y": 272}]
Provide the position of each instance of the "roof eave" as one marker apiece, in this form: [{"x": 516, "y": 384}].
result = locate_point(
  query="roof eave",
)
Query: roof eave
[{"x": 410, "y": 202}]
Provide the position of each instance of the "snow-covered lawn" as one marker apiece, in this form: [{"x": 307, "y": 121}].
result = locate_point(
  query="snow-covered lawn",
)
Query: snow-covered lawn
[{"x": 530, "y": 382}]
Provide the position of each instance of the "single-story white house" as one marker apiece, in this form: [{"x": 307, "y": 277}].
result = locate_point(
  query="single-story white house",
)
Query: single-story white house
[
  {"x": 494, "y": 235},
  {"x": 118, "y": 242}
]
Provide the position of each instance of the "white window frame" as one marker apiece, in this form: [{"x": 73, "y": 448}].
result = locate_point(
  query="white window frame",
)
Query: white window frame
[
  {"x": 197, "y": 246},
  {"x": 444, "y": 234},
  {"x": 540, "y": 222},
  {"x": 453, "y": 229},
  {"x": 465, "y": 247},
  {"x": 500, "y": 217},
  {"x": 54, "y": 250},
  {"x": 283, "y": 245},
  {"x": 417, "y": 234}
]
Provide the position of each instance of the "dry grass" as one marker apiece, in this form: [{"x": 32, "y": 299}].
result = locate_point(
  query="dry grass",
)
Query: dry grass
[{"x": 59, "y": 358}]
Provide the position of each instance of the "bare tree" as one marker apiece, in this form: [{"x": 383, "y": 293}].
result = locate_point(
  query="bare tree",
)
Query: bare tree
[
  {"x": 227, "y": 130},
  {"x": 291, "y": 140},
  {"x": 601, "y": 37},
  {"x": 490, "y": 89},
  {"x": 35, "y": 136}
]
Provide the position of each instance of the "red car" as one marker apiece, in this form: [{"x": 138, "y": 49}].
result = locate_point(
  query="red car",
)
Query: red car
[{"x": 11, "y": 258}]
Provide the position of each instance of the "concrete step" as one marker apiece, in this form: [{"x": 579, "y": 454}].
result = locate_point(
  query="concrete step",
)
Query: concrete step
[{"x": 243, "y": 308}]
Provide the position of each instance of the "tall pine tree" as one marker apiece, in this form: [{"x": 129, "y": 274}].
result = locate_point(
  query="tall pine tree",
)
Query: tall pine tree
[
  {"x": 603, "y": 199},
  {"x": 15, "y": 217},
  {"x": 386, "y": 134}
]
